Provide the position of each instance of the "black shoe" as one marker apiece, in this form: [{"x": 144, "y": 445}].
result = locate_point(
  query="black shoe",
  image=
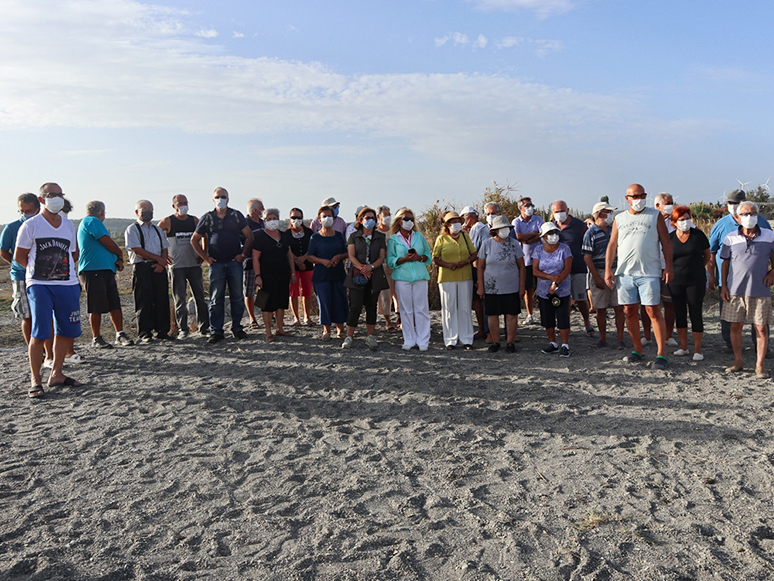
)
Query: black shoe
[
  {"x": 240, "y": 335},
  {"x": 550, "y": 349},
  {"x": 510, "y": 348},
  {"x": 494, "y": 348},
  {"x": 100, "y": 343},
  {"x": 214, "y": 338},
  {"x": 165, "y": 337}
]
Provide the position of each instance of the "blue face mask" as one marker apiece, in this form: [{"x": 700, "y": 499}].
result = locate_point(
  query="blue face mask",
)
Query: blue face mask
[
  {"x": 369, "y": 224},
  {"x": 25, "y": 217},
  {"x": 335, "y": 211}
]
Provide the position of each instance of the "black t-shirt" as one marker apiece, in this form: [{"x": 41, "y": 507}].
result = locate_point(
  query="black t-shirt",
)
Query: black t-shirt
[
  {"x": 688, "y": 258},
  {"x": 572, "y": 236},
  {"x": 225, "y": 233},
  {"x": 299, "y": 246}
]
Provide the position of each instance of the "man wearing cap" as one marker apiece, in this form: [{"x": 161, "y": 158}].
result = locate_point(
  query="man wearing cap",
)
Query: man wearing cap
[
  {"x": 722, "y": 228},
  {"x": 339, "y": 224},
  {"x": 594, "y": 250},
  {"x": 571, "y": 232},
  {"x": 477, "y": 232},
  {"x": 352, "y": 226},
  {"x": 526, "y": 227},
  {"x": 637, "y": 272}
]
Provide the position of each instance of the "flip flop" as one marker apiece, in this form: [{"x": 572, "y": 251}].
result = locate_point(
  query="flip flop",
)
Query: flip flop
[
  {"x": 68, "y": 382},
  {"x": 283, "y": 333},
  {"x": 36, "y": 392},
  {"x": 392, "y": 329},
  {"x": 270, "y": 338},
  {"x": 255, "y": 325},
  {"x": 296, "y": 324}
]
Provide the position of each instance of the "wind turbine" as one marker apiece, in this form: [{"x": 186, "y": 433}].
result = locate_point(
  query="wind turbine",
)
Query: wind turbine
[{"x": 742, "y": 185}]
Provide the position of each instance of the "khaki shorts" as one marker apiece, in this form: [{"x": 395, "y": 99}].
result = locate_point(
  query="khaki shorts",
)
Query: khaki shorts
[
  {"x": 741, "y": 309},
  {"x": 20, "y": 305},
  {"x": 602, "y": 297}
]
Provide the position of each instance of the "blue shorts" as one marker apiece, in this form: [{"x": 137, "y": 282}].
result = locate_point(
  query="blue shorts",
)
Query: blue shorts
[
  {"x": 645, "y": 290},
  {"x": 60, "y": 305}
]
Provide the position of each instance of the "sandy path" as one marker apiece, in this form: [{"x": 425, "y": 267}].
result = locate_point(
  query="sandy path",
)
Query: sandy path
[{"x": 297, "y": 460}]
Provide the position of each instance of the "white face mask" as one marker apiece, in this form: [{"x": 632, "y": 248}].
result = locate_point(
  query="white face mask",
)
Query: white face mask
[
  {"x": 667, "y": 209},
  {"x": 182, "y": 210},
  {"x": 732, "y": 208},
  {"x": 552, "y": 238},
  {"x": 221, "y": 203},
  {"x": 490, "y": 218},
  {"x": 560, "y": 217},
  {"x": 386, "y": 220},
  {"x": 296, "y": 222},
  {"x": 684, "y": 225},
  {"x": 749, "y": 222},
  {"x": 54, "y": 205},
  {"x": 408, "y": 224},
  {"x": 455, "y": 228},
  {"x": 638, "y": 205},
  {"x": 503, "y": 233},
  {"x": 327, "y": 221},
  {"x": 529, "y": 210},
  {"x": 271, "y": 224},
  {"x": 610, "y": 219}
]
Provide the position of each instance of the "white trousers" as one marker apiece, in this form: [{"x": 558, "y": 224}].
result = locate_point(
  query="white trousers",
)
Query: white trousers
[
  {"x": 414, "y": 312},
  {"x": 456, "y": 314}
]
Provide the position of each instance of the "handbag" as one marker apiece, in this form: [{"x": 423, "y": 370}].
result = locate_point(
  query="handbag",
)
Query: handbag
[
  {"x": 358, "y": 278},
  {"x": 261, "y": 298}
]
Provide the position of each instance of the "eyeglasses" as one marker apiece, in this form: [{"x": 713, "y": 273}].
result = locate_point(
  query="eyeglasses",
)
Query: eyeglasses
[
  {"x": 52, "y": 195},
  {"x": 220, "y": 197},
  {"x": 296, "y": 217},
  {"x": 748, "y": 214},
  {"x": 638, "y": 196}
]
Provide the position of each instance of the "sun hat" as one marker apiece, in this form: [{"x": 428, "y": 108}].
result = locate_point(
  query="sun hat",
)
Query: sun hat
[
  {"x": 450, "y": 216},
  {"x": 547, "y": 227},
  {"x": 329, "y": 202},
  {"x": 500, "y": 222}
]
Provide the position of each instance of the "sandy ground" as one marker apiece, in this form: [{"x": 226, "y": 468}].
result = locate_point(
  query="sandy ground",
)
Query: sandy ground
[{"x": 299, "y": 460}]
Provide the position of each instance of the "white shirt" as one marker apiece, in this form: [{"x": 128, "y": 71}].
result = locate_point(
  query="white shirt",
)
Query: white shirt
[{"x": 50, "y": 260}]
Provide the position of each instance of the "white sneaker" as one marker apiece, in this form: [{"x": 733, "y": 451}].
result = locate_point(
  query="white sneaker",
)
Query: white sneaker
[
  {"x": 671, "y": 342},
  {"x": 407, "y": 347},
  {"x": 530, "y": 320},
  {"x": 681, "y": 353},
  {"x": 371, "y": 343},
  {"x": 423, "y": 347},
  {"x": 347, "y": 344},
  {"x": 182, "y": 335},
  {"x": 698, "y": 357}
]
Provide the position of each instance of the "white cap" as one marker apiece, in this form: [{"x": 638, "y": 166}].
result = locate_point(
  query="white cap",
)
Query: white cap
[
  {"x": 547, "y": 227},
  {"x": 468, "y": 210}
]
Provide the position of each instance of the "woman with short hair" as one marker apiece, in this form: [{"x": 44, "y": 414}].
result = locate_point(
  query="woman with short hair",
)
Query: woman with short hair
[
  {"x": 367, "y": 250},
  {"x": 453, "y": 254},
  {"x": 690, "y": 257},
  {"x": 408, "y": 255},
  {"x": 327, "y": 251},
  {"x": 275, "y": 270}
]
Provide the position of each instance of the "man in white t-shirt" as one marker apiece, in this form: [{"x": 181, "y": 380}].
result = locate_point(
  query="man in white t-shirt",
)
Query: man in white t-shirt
[{"x": 47, "y": 248}]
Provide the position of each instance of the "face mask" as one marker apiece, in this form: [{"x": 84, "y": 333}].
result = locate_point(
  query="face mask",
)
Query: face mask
[
  {"x": 490, "y": 218},
  {"x": 335, "y": 211},
  {"x": 749, "y": 222},
  {"x": 529, "y": 210},
  {"x": 638, "y": 205},
  {"x": 271, "y": 224},
  {"x": 369, "y": 224},
  {"x": 684, "y": 225},
  {"x": 296, "y": 222},
  {"x": 54, "y": 205},
  {"x": 408, "y": 224},
  {"x": 732, "y": 208},
  {"x": 504, "y": 233},
  {"x": 552, "y": 238},
  {"x": 609, "y": 219},
  {"x": 455, "y": 228},
  {"x": 182, "y": 210},
  {"x": 668, "y": 209},
  {"x": 327, "y": 221},
  {"x": 221, "y": 203},
  {"x": 146, "y": 215},
  {"x": 560, "y": 217},
  {"x": 25, "y": 217},
  {"x": 386, "y": 220}
]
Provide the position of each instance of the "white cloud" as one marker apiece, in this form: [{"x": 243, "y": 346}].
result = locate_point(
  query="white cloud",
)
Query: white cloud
[
  {"x": 207, "y": 33},
  {"x": 121, "y": 64},
  {"x": 542, "y": 8},
  {"x": 541, "y": 47},
  {"x": 510, "y": 41},
  {"x": 236, "y": 34},
  {"x": 481, "y": 41},
  {"x": 440, "y": 41}
]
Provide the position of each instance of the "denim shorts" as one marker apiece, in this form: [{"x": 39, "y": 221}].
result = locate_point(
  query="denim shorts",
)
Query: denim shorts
[{"x": 645, "y": 290}]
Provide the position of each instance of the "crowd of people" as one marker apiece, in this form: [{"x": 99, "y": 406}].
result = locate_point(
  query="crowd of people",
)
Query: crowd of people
[{"x": 636, "y": 262}]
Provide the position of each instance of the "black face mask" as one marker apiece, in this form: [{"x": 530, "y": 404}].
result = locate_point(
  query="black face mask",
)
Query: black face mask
[{"x": 146, "y": 215}]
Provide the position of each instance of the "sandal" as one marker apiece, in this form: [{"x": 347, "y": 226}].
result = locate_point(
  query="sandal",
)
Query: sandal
[
  {"x": 295, "y": 324},
  {"x": 270, "y": 338},
  {"x": 734, "y": 369},
  {"x": 590, "y": 331},
  {"x": 254, "y": 325},
  {"x": 309, "y": 323},
  {"x": 68, "y": 382},
  {"x": 283, "y": 333},
  {"x": 392, "y": 329},
  {"x": 326, "y": 337},
  {"x": 36, "y": 392}
]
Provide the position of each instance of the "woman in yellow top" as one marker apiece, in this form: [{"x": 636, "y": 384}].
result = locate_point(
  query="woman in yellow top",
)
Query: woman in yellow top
[{"x": 453, "y": 254}]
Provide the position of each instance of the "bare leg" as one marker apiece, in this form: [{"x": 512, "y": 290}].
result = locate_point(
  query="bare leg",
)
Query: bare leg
[
  {"x": 697, "y": 338},
  {"x": 511, "y": 322},
  {"x": 736, "y": 344},
  {"x": 494, "y": 329},
  {"x": 683, "y": 334},
  {"x": 645, "y": 324},
  {"x": 267, "y": 322},
  {"x": 762, "y": 336},
  {"x": 294, "y": 308},
  {"x": 117, "y": 318},
  {"x": 36, "y": 354},
  {"x": 669, "y": 318},
  {"x": 250, "y": 304},
  {"x": 308, "y": 310},
  {"x": 583, "y": 307},
  {"x": 602, "y": 323},
  {"x": 565, "y": 334},
  {"x": 620, "y": 319},
  {"x": 633, "y": 325},
  {"x": 659, "y": 328},
  {"x": 370, "y": 329},
  {"x": 279, "y": 318},
  {"x": 529, "y": 303},
  {"x": 26, "y": 327},
  {"x": 95, "y": 322},
  {"x": 551, "y": 334},
  {"x": 62, "y": 346}
]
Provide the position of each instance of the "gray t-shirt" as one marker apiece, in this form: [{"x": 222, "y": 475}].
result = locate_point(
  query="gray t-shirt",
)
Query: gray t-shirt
[
  {"x": 501, "y": 274},
  {"x": 639, "y": 252},
  {"x": 749, "y": 262}
]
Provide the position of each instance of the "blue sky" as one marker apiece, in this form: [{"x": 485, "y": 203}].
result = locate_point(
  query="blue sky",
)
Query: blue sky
[{"x": 400, "y": 103}]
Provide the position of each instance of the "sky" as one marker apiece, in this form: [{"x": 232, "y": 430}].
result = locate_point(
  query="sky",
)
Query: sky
[{"x": 399, "y": 103}]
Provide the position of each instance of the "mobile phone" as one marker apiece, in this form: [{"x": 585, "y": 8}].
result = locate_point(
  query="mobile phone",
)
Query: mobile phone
[{"x": 411, "y": 251}]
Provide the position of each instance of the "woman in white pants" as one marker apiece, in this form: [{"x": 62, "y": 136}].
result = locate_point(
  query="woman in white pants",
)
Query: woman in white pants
[
  {"x": 453, "y": 254},
  {"x": 408, "y": 255}
]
